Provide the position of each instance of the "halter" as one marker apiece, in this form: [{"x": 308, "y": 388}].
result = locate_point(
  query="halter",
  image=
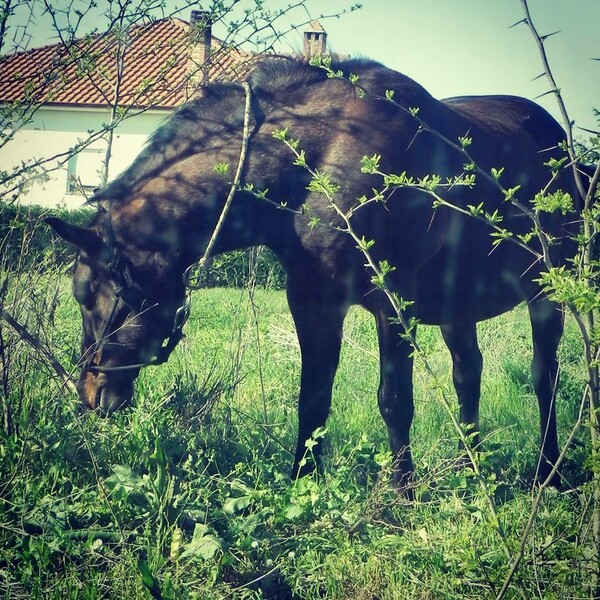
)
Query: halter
[
  {"x": 127, "y": 289},
  {"x": 130, "y": 294}
]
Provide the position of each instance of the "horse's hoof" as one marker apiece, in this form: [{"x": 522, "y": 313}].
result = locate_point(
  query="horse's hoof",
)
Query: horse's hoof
[{"x": 404, "y": 486}]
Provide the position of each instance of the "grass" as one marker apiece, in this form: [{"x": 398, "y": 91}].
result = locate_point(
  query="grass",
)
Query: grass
[{"x": 186, "y": 495}]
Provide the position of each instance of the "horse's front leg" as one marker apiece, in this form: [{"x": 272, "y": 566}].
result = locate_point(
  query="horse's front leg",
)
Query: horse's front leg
[
  {"x": 395, "y": 398},
  {"x": 319, "y": 316}
]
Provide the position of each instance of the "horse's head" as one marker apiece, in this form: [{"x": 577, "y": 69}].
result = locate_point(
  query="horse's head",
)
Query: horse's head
[{"x": 129, "y": 304}]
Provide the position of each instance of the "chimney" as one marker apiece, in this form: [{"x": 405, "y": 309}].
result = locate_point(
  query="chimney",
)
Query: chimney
[
  {"x": 315, "y": 40},
  {"x": 198, "y": 62}
]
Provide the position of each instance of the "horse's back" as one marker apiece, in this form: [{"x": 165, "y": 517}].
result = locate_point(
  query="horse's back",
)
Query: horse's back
[
  {"x": 503, "y": 113},
  {"x": 443, "y": 259}
]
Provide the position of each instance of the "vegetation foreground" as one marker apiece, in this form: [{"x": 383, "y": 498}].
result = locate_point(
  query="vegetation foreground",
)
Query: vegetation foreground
[{"x": 187, "y": 494}]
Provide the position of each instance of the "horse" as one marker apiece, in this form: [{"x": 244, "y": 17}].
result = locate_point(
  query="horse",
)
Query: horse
[{"x": 155, "y": 220}]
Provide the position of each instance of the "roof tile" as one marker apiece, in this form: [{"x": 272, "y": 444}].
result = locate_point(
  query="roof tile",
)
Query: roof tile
[{"x": 154, "y": 69}]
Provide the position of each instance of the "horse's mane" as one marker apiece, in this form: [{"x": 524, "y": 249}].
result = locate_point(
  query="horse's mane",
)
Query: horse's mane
[
  {"x": 279, "y": 74},
  {"x": 204, "y": 114}
]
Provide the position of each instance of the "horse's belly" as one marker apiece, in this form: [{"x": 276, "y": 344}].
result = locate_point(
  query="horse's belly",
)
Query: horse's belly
[{"x": 471, "y": 291}]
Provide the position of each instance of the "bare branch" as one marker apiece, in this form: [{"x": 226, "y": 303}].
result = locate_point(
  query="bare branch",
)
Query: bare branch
[{"x": 35, "y": 343}]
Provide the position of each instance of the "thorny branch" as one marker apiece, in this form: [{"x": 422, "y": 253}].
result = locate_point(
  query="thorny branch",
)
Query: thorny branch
[{"x": 586, "y": 323}]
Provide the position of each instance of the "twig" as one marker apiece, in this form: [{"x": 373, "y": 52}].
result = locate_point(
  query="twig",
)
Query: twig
[
  {"x": 35, "y": 343},
  {"x": 586, "y": 326},
  {"x": 203, "y": 263}
]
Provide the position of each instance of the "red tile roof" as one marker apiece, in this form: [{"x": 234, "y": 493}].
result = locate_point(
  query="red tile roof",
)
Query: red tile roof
[{"x": 155, "y": 71}]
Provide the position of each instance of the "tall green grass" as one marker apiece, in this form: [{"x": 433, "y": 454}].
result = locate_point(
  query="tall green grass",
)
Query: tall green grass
[{"x": 187, "y": 494}]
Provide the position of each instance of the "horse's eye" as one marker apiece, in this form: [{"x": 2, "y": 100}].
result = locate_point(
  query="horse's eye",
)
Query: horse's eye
[
  {"x": 82, "y": 292},
  {"x": 84, "y": 283}
]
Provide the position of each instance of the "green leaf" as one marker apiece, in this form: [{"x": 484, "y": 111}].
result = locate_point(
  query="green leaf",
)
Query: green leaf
[
  {"x": 370, "y": 164},
  {"x": 321, "y": 183},
  {"x": 558, "y": 201},
  {"x": 526, "y": 237},
  {"x": 398, "y": 180},
  {"x": 280, "y": 134},
  {"x": 149, "y": 580},
  {"x": 222, "y": 169},
  {"x": 564, "y": 287},
  {"x": 124, "y": 478},
  {"x": 234, "y": 505},
  {"x": 385, "y": 267},
  {"x": 300, "y": 160},
  {"x": 204, "y": 543},
  {"x": 476, "y": 211},
  {"x": 500, "y": 236},
  {"x": 377, "y": 195},
  {"x": 159, "y": 457},
  {"x": 509, "y": 194},
  {"x": 465, "y": 141},
  {"x": 556, "y": 164},
  {"x": 310, "y": 443},
  {"x": 497, "y": 173},
  {"x": 293, "y": 511},
  {"x": 494, "y": 217},
  {"x": 429, "y": 182},
  {"x": 365, "y": 245},
  {"x": 314, "y": 222}
]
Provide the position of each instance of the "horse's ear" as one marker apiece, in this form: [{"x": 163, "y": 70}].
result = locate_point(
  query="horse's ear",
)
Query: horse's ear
[{"x": 83, "y": 238}]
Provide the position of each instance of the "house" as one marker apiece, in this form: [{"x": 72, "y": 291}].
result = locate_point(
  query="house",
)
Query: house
[{"x": 57, "y": 102}]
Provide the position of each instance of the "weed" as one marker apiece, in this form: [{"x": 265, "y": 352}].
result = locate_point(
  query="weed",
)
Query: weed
[{"x": 186, "y": 495}]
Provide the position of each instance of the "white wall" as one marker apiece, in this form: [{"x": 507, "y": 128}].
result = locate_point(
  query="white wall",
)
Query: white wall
[{"x": 52, "y": 132}]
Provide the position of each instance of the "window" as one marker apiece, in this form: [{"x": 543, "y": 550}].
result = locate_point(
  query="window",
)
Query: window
[{"x": 83, "y": 170}]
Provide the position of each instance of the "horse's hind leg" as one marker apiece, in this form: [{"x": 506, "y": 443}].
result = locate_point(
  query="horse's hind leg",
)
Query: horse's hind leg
[
  {"x": 467, "y": 363},
  {"x": 319, "y": 316},
  {"x": 547, "y": 322}
]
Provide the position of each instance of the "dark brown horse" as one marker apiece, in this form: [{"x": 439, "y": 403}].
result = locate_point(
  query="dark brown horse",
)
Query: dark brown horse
[{"x": 155, "y": 220}]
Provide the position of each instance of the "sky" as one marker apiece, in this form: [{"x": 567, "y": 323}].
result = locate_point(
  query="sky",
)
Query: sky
[{"x": 453, "y": 47}]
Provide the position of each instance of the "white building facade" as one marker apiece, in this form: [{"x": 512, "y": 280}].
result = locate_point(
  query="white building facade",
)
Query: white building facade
[
  {"x": 69, "y": 95},
  {"x": 53, "y": 133}
]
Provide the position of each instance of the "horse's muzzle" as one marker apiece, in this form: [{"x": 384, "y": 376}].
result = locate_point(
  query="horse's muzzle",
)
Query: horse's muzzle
[{"x": 107, "y": 393}]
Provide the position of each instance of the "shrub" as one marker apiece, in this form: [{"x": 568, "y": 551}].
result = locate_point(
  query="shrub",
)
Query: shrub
[{"x": 22, "y": 227}]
